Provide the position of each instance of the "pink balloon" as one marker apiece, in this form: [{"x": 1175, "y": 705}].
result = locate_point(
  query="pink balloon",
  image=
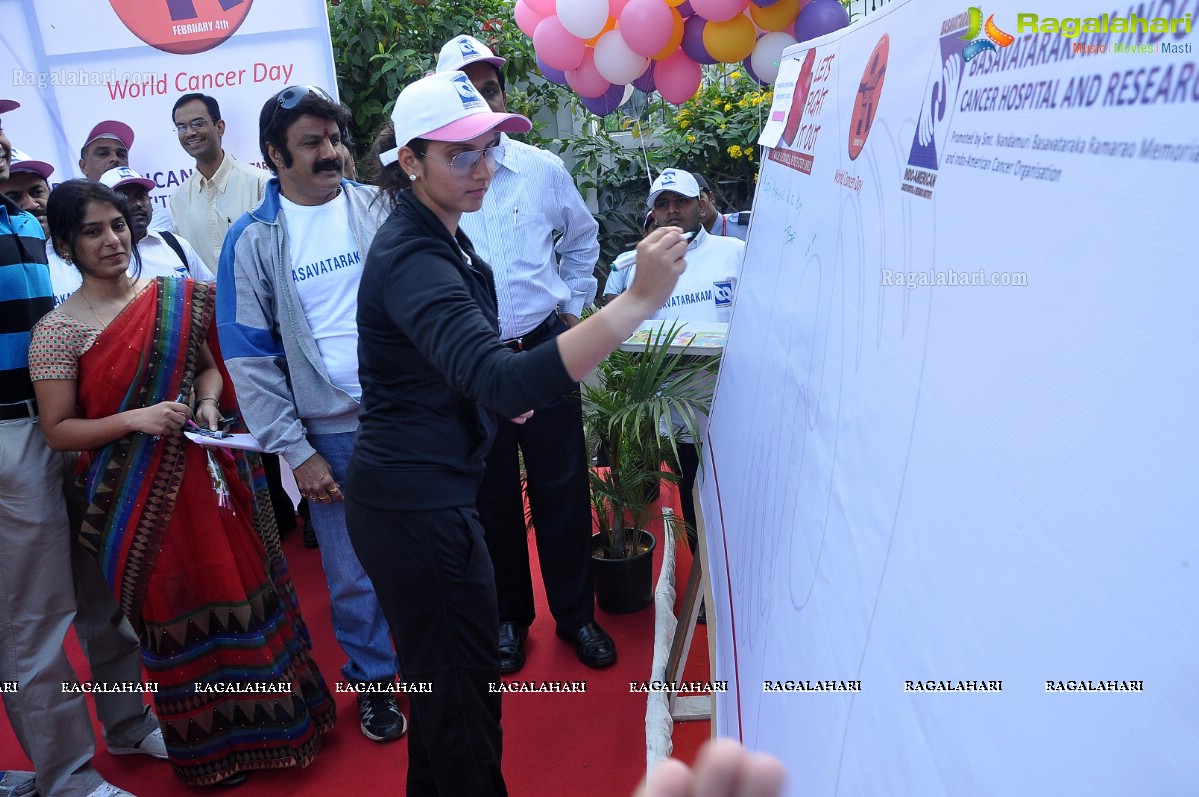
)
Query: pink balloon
[
  {"x": 526, "y": 18},
  {"x": 546, "y": 8},
  {"x": 556, "y": 46},
  {"x": 719, "y": 10},
  {"x": 646, "y": 25},
  {"x": 586, "y": 80},
  {"x": 677, "y": 78},
  {"x": 615, "y": 7}
]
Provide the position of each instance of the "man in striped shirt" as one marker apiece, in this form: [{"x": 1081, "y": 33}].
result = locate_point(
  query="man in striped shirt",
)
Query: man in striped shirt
[{"x": 541, "y": 241}]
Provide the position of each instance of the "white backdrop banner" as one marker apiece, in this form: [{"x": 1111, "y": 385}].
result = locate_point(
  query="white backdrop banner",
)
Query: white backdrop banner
[
  {"x": 950, "y": 485},
  {"x": 73, "y": 63}
]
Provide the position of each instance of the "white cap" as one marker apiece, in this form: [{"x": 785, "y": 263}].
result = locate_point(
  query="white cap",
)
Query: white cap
[
  {"x": 676, "y": 180},
  {"x": 462, "y": 50},
  {"x": 123, "y": 175},
  {"x": 446, "y": 107}
]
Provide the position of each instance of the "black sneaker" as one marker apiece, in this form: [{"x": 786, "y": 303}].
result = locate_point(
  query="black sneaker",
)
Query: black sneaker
[{"x": 382, "y": 720}]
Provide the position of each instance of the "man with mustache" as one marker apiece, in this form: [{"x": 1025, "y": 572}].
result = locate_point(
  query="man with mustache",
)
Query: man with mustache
[
  {"x": 163, "y": 254},
  {"x": 703, "y": 293},
  {"x": 28, "y": 185},
  {"x": 287, "y": 319},
  {"x": 107, "y": 147}
]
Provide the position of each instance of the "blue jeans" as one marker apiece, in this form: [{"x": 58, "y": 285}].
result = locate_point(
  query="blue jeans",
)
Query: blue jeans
[{"x": 358, "y": 622}]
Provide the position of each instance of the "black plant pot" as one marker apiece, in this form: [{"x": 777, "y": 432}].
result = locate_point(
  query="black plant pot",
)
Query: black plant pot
[{"x": 624, "y": 586}]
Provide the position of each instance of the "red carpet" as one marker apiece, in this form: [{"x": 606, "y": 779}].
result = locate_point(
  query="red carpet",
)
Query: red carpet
[{"x": 556, "y": 745}]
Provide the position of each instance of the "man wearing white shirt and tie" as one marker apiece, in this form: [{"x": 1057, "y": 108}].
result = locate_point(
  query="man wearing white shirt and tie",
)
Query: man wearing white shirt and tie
[{"x": 541, "y": 241}]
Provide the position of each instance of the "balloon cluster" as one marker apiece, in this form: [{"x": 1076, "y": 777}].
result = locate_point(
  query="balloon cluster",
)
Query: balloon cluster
[{"x": 599, "y": 47}]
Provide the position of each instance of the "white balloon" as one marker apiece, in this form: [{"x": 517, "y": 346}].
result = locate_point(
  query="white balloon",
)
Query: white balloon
[
  {"x": 767, "y": 54},
  {"x": 583, "y": 18},
  {"x": 628, "y": 94},
  {"x": 615, "y": 61}
]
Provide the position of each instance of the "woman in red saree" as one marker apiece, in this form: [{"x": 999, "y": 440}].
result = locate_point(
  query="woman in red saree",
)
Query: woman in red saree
[{"x": 114, "y": 368}]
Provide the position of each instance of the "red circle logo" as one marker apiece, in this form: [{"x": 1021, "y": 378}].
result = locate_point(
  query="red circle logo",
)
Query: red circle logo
[
  {"x": 183, "y": 27},
  {"x": 870, "y": 88}
]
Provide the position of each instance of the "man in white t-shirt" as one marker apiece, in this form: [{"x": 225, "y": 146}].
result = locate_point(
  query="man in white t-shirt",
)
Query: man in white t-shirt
[
  {"x": 163, "y": 254},
  {"x": 706, "y": 289},
  {"x": 287, "y": 319}
]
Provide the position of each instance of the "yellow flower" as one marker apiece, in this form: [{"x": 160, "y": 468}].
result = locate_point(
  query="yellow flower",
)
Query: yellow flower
[
  {"x": 735, "y": 151},
  {"x": 735, "y": 75},
  {"x": 728, "y": 106},
  {"x": 691, "y": 139},
  {"x": 722, "y": 127},
  {"x": 749, "y": 154},
  {"x": 683, "y": 124}
]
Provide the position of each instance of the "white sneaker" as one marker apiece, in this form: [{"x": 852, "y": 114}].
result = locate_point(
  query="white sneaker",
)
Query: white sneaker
[
  {"x": 108, "y": 790},
  {"x": 152, "y": 745}
]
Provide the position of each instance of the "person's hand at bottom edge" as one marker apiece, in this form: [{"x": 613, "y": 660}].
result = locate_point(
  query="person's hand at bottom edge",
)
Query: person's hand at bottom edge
[{"x": 723, "y": 769}]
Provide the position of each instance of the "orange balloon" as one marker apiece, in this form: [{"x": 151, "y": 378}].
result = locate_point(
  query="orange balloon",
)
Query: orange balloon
[
  {"x": 731, "y": 41},
  {"x": 676, "y": 37},
  {"x": 609, "y": 25},
  {"x": 675, "y": 3},
  {"x": 776, "y": 17}
]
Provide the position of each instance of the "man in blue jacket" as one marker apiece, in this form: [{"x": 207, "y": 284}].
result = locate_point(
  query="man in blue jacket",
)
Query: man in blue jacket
[{"x": 287, "y": 319}]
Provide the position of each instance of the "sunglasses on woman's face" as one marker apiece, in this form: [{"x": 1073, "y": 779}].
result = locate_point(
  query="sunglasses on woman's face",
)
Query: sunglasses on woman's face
[{"x": 464, "y": 163}]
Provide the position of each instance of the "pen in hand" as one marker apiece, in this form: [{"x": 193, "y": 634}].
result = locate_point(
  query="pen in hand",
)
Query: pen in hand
[{"x": 182, "y": 398}]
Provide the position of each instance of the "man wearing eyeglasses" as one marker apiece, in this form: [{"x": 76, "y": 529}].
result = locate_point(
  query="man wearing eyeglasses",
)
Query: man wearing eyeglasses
[
  {"x": 540, "y": 239},
  {"x": 220, "y": 189},
  {"x": 287, "y": 318}
]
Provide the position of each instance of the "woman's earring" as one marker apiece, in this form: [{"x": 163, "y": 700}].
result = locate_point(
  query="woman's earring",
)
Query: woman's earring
[
  {"x": 66, "y": 258},
  {"x": 412, "y": 177}
]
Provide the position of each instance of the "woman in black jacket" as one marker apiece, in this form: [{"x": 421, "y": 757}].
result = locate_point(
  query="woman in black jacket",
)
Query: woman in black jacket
[{"x": 433, "y": 372}]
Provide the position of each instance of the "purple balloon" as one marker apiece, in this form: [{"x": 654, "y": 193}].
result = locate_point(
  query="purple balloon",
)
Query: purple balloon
[
  {"x": 685, "y": 10},
  {"x": 749, "y": 70},
  {"x": 551, "y": 74},
  {"x": 820, "y": 17},
  {"x": 605, "y": 103},
  {"x": 693, "y": 40},
  {"x": 646, "y": 81},
  {"x": 764, "y": 3}
]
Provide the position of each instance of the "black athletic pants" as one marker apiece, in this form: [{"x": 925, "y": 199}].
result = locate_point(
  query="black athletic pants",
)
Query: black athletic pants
[
  {"x": 435, "y": 584},
  {"x": 555, "y": 459}
]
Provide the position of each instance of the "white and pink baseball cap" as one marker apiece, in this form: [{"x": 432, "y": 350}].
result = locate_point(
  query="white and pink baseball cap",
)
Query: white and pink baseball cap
[{"x": 446, "y": 107}]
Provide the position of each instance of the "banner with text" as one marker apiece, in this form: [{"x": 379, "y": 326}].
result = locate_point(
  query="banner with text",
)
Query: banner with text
[
  {"x": 950, "y": 475},
  {"x": 73, "y": 63}
]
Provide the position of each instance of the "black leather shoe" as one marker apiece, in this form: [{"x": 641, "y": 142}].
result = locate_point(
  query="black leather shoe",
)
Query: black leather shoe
[
  {"x": 512, "y": 647},
  {"x": 592, "y": 644}
]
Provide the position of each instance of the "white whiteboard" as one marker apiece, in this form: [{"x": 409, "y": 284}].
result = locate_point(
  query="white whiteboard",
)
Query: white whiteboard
[{"x": 959, "y": 482}]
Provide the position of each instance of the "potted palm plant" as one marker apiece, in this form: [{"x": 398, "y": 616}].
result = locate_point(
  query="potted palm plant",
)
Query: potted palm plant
[{"x": 636, "y": 409}]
